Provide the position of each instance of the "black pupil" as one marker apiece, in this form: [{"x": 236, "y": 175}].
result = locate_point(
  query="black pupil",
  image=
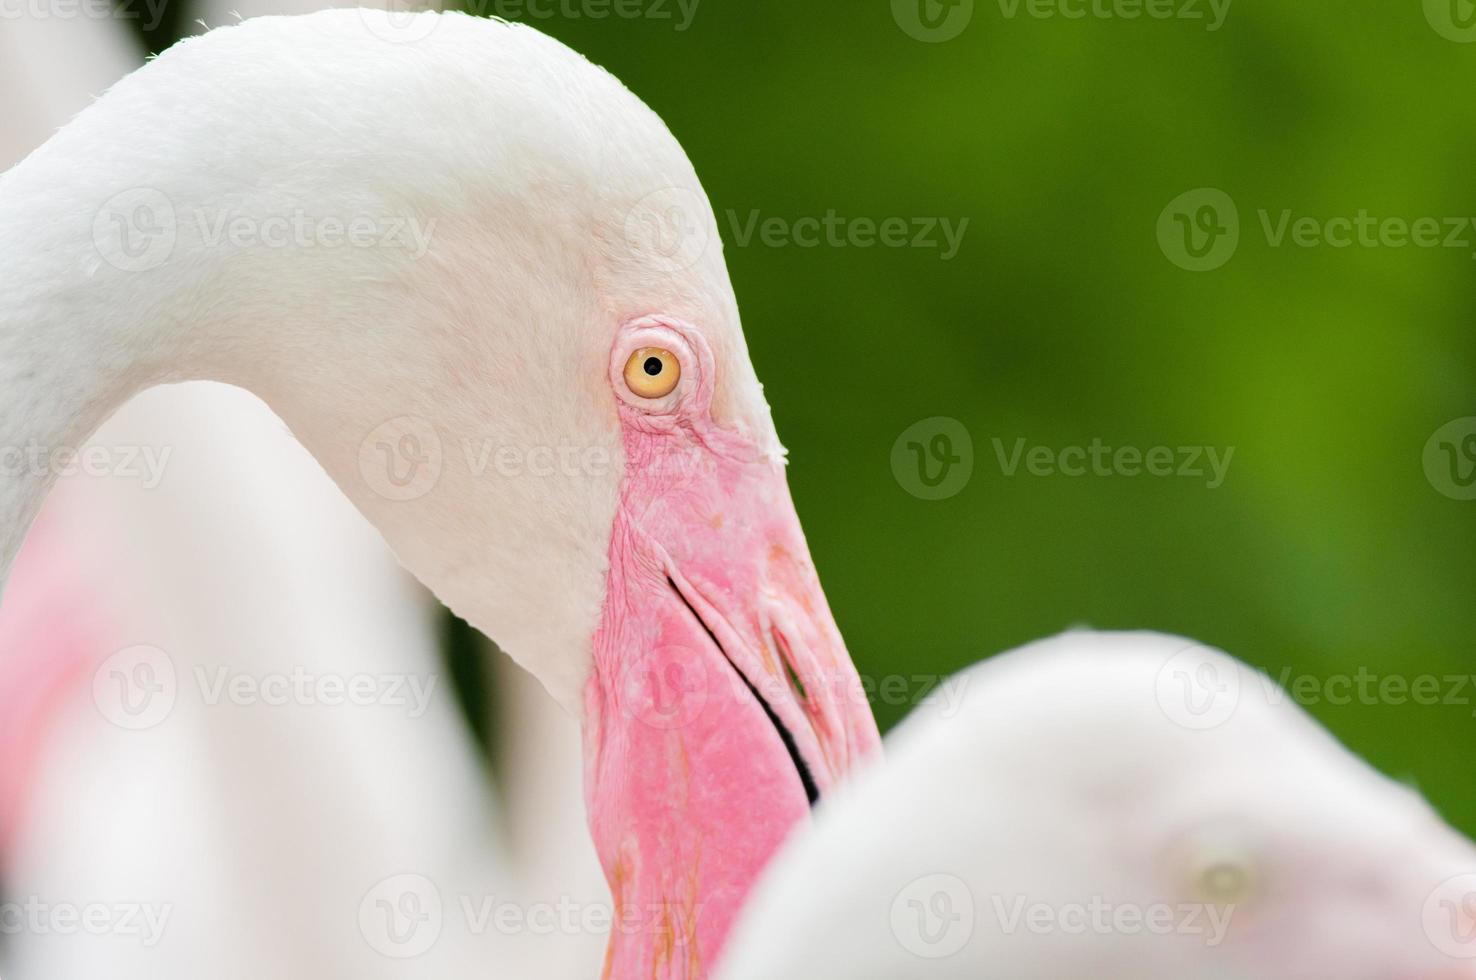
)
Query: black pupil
[{"x": 653, "y": 366}]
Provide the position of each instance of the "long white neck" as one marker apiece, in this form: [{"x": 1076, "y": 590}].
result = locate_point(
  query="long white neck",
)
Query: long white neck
[
  {"x": 91, "y": 315},
  {"x": 56, "y": 384},
  {"x": 137, "y": 247},
  {"x": 41, "y": 398}
]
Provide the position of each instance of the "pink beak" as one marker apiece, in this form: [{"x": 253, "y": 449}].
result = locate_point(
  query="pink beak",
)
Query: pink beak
[{"x": 722, "y": 703}]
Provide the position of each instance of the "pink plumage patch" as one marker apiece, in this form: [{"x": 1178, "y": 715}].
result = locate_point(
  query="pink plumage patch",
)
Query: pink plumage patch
[{"x": 50, "y": 640}]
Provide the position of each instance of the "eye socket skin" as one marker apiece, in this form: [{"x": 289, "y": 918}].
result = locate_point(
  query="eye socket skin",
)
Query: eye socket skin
[
  {"x": 680, "y": 392},
  {"x": 652, "y": 372}
]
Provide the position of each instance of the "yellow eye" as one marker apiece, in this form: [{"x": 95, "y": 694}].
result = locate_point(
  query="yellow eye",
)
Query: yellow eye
[{"x": 652, "y": 372}]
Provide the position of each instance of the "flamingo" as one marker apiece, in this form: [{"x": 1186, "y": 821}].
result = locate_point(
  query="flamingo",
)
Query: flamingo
[
  {"x": 1075, "y": 778},
  {"x": 541, "y": 278}
]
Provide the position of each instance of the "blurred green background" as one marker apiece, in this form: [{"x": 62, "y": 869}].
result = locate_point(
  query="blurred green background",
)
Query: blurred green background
[{"x": 1061, "y": 319}]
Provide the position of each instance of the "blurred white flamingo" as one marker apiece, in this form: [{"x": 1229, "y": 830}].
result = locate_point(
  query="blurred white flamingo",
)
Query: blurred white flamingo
[{"x": 1076, "y": 815}]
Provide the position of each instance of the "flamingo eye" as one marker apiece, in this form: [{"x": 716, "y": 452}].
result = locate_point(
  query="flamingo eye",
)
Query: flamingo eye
[
  {"x": 652, "y": 372},
  {"x": 1225, "y": 882}
]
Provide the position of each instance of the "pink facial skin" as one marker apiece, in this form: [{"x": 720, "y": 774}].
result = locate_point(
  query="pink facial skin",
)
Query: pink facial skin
[{"x": 713, "y": 611}]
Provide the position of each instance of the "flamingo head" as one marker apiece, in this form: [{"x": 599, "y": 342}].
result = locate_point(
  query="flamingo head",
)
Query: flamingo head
[
  {"x": 609, "y": 499},
  {"x": 525, "y": 365},
  {"x": 1076, "y": 811}
]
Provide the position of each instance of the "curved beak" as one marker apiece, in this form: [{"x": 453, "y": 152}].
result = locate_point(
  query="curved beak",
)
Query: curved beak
[{"x": 722, "y": 706}]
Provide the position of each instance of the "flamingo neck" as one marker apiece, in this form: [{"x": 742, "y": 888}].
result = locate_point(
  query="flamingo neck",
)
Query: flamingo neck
[{"x": 61, "y": 370}]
